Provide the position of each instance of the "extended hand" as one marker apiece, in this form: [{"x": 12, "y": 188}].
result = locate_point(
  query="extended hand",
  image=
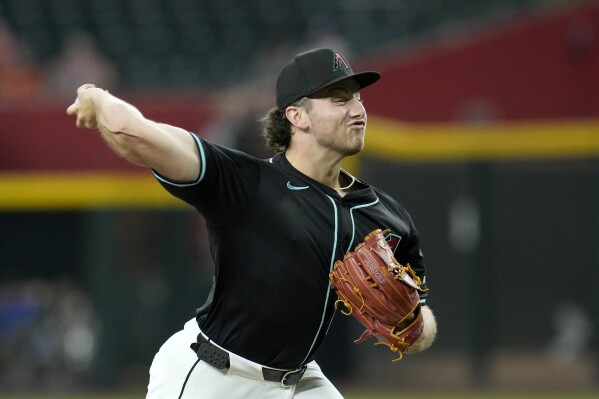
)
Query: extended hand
[{"x": 84, "y": 107}]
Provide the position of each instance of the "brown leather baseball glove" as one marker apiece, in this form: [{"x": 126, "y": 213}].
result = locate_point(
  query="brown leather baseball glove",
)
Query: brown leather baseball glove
[{"x": 380, "y": 293}]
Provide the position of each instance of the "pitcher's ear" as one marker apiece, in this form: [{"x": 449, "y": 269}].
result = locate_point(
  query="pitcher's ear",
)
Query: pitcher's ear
[{"x": 297, "y": 116}]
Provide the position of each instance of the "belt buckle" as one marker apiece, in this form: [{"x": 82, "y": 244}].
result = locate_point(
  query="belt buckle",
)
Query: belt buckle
[{"x": 290, "y": 373}]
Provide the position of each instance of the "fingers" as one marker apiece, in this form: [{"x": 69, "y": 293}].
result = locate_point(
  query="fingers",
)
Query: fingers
[
  {"x": 72, "y": 109},
  {"x": 84, "y": 87},
  {"x": 86, "y": 123},
  {"x": 83, "y": 108}
]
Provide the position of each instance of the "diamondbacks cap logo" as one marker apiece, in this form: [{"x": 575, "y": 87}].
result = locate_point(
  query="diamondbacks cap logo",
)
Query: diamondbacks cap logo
[
  {"x": 340, "y": 63},
  {"x": 314, "y": 70}
]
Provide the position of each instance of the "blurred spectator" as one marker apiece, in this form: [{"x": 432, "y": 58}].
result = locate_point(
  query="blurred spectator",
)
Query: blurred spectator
[
  {"x": 19, "y": 76},
  {"x": 237, "y": 125},
  {"x": 48, "y": 336},
  {"x": 269, "y": 59},
  {"x": 323, "y": 33},
  {"x": 79, "y": 62},
  {"x": 573, "y": 334}
]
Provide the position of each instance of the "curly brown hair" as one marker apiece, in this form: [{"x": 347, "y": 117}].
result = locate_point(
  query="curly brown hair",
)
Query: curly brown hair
[{"x": 276, "y": 128}]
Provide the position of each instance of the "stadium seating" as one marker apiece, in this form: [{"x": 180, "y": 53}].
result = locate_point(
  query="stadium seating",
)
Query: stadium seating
[{"x": 187, "y": 43}]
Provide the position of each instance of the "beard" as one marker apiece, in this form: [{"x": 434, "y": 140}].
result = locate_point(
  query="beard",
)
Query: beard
[{"x": 345, "y": 143}]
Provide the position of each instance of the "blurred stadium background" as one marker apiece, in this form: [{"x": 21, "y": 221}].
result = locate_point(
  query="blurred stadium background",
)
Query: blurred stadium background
[{"x": 485, "y": 125}]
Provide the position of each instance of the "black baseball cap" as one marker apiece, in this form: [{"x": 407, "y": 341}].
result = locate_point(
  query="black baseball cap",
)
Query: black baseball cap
[{"x": 313, "y": 70}]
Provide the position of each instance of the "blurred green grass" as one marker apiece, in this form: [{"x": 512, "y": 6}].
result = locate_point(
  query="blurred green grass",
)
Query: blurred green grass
[
  {"x": 477, "y": 395},
  {"x": 482, "y": 395},
  {"x": 362, "y": 395}
]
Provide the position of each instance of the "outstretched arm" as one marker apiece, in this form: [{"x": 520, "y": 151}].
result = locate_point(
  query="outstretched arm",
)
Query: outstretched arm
[{"x": 167, "y": 149}]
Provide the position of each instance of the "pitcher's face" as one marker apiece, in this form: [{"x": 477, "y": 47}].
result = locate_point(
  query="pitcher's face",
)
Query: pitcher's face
[{"x": 338, "y": 118}]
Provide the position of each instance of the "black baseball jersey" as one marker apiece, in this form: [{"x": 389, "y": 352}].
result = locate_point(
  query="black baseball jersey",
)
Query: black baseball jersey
[{"x": 275, "y": 234}]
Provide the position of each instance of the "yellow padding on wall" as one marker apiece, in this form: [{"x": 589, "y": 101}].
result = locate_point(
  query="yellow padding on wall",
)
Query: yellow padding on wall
[
  {"x": 401, "y": 142},
  {"x": 430, "y": 142},
  {"x": 72, "y": 191}
]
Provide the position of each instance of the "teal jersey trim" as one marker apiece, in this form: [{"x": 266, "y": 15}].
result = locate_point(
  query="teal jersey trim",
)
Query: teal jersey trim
[
  {"x": 326, "y": 302},
  {"x": 202, "y": 167},
  {"x": 353, "y": 223}
]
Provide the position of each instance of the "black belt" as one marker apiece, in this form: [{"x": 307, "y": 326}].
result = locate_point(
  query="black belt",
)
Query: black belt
[{"x": 219, "y": 358}]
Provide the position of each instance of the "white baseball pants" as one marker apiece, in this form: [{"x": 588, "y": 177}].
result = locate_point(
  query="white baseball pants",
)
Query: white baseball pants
[{"x": 177, "y": 373}]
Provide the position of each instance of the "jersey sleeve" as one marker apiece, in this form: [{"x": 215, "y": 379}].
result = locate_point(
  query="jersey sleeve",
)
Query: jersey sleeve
[
  {"x": 409, "y": 251},
  {"x": 225, "y": 185}
]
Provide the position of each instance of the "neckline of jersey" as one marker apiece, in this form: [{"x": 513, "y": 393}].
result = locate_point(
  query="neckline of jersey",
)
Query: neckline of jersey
[{"x": 364, "y": 191}]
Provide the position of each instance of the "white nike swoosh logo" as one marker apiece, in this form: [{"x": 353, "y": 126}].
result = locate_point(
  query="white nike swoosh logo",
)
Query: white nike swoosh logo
[{"x": 292, "y": 187}]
